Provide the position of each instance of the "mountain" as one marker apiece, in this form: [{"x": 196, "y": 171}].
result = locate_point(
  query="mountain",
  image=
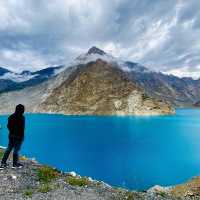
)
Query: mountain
[
  {"x": 96, "y": 87},
  {"x": 95, "y": 50},
  {"x": 46, "y": 85},
  {"x": 197, "y": 104},
  {"x": 11, "y": 81},
  {"x": 180, "y": 92},
  {"x": 99, "y": 88},
  {"x": 3, "y": 71}
]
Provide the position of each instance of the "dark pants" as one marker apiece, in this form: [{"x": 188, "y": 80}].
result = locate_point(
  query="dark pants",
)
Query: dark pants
[{"x": 15, "y": 144}]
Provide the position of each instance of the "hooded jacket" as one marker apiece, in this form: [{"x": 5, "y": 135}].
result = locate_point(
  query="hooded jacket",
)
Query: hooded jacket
[{"x": 16, "y": 126}]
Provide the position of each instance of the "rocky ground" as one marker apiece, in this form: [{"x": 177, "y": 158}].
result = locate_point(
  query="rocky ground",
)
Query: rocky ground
[{"x": 38, "y": 182}]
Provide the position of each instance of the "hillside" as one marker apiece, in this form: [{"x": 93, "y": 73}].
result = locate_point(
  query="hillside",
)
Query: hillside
[
  {"x": 99, "y": 88},
  {"x": 180, "y": 92},
  {"x": 36, "y": 181},
  {"x": 13, "y": 81}
]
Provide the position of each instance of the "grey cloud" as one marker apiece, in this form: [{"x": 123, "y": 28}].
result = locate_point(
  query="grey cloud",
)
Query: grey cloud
[{"x": 164, "y": 35}]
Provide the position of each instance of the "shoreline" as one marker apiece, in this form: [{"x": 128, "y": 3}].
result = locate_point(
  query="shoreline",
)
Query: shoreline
[
  {"x": 37, "y": 181},
  {"x": 90, "y": 115}
]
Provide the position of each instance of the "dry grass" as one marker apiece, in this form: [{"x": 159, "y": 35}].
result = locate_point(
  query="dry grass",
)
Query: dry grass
[{"x": 191, "y": 188}]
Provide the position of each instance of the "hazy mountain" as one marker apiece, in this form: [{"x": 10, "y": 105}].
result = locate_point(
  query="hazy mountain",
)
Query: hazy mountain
[
  {"x": 10, "y": 81},
  {"x": 3, "y": 71},
  {"x": 177, "y": 91}
]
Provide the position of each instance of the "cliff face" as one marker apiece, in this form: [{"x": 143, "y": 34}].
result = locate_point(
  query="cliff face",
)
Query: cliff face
[
  {"x": 197, "y": 104},
  {"x": 32, "y": 96},
  {"x": 180, "y": 92},
  {"x": 99, "y": 88}
]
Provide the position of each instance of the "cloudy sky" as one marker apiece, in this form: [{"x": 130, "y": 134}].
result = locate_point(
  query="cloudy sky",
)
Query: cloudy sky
[{"x": 163, "y": 35}]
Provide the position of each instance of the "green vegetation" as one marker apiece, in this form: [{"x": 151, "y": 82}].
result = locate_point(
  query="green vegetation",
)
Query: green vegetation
[
  {"x": 28, "y": 193},
  {"x": 44, "y": 188},
  {"x": 46, "y": 174},
  {"x": 1, "y": 153},
  {"x": 129, "y": 196},
  {"x": 162, "y": 194},
  {"x": 24, "y": 158},
  {"x": 77, "y": 181},
  {"x": 187, "y": 189}
]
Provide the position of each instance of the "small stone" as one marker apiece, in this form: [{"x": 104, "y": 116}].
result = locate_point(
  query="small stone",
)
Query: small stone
[
  {"x": 13, "y": 177},
  {"x": 72, "y": 174},
  {"x": 33, "y": 160},
  {"x": 158, "y": 189},
  {"x": 90, "y": 179}
]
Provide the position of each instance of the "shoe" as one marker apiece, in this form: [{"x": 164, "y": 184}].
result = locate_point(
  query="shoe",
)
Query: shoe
[
  {"x": 18, "y": 165},
  {"x": 3, "y": 165}
]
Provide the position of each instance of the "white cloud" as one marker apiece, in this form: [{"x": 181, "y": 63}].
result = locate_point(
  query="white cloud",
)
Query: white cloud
[
  {"x": 184, "y": 72},
  {"x": 163, "y": 35},
  {"x": 30, "y": 60}
]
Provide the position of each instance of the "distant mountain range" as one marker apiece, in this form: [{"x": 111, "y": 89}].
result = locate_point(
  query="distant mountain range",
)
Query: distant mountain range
[
  {"x": 97, "y": 83},
  {"x": 10, "y": 81}
]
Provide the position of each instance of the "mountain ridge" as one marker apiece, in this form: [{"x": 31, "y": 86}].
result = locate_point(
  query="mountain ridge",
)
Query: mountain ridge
[
  {"x": 156, "y": 85},
  {"x": 11, "y": 81},
  {"x": 98, "y": 88}
]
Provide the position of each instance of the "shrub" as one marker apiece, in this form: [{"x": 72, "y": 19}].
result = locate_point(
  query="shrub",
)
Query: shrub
[
  {"x": 1, "y": 153},
  {"x": 77, "y": 181},
  {"x": 47, "y": 174},
  {"x": 28, "y": 193},
  {"x": 44, "y": 188}
]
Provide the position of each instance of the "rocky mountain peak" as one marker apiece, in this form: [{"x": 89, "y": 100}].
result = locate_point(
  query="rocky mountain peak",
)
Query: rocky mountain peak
[
  {"x": 101, "y": 88},
  {"x": 95, "y": 50}
]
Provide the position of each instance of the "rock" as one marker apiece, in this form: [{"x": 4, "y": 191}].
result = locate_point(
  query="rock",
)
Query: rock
[
  {"x": 73, "y": 174},
  {"x": 13, "y": 177},
  {"x": 158, "y": 189}
]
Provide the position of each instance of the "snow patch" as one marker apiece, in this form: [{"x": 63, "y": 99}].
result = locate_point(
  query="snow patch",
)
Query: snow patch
[
  {"x": 86, "y": 58},
  {"x": 17, "y": 77},
  {"x": 125, "y": 66},
  {"x": 58, "y": 71}
]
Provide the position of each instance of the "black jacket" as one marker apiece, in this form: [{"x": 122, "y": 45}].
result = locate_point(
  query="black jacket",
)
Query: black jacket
[{"x": 16, "y": 126}]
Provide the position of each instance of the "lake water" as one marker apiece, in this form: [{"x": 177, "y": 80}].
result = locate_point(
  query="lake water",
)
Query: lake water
[{"x": 132, "y": 152}]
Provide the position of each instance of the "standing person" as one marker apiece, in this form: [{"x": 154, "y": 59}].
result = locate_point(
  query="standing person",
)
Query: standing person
[{"x": 16, "y": 126}]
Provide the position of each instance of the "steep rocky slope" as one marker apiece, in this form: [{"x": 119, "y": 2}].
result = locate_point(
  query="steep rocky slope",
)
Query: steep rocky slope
[
  {"x": 99, "y": 88},
  {"x": 32, "y": 96},
  {"x": 181, "y": 92},
  {"x": 197, "y": 104}
]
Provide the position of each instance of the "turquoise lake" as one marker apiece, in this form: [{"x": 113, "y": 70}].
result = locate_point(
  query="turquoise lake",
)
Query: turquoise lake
[{"x": 131, "y": 152}]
